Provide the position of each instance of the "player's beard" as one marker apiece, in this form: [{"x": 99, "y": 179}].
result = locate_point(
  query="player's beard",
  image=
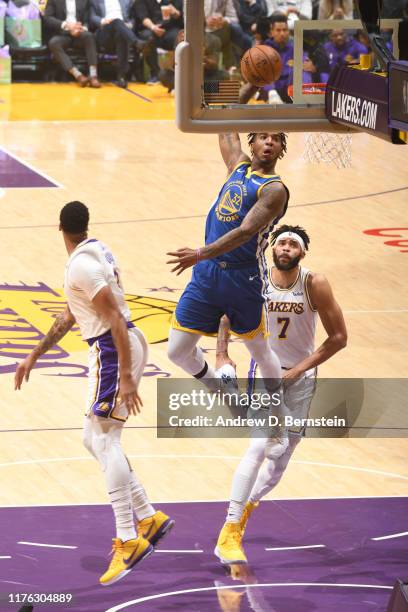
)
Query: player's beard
[{"x": 289, "y": 265}]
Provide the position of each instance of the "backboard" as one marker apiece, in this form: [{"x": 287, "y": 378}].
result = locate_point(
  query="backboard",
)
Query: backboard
[{"x": 306, "y": 114}]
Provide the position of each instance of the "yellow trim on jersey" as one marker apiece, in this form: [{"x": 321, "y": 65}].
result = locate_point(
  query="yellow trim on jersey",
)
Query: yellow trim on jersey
[
  {"x": 262, "y": 327},
  {"x": 286, "y": 288},
  {"x": 307, "y": 294},
  {"x": 98, "y": 368},
  {"x": 115, "y": 399},
  {"x": 176, "y": 325},
  {"x": 250, "y": 172},
  {"x": 246, "y": 163},
  {"x": 116, "y": 418},
  {"x": 277, "y": 180},
  {"x": 275, "y": 176}
]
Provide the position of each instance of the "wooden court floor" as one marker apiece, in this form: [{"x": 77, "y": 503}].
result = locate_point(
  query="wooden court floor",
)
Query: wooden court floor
[{"x": 148, "y": 187}]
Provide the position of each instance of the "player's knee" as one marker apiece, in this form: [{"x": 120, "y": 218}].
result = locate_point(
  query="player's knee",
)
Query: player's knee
[
  {"x": 257, "y": 450},
  {"x": 100, "y": 442},
  {"x": 176, "y": 354},
  {"x": 276, "y": 447},
  {"x": 87, "y": 441}
]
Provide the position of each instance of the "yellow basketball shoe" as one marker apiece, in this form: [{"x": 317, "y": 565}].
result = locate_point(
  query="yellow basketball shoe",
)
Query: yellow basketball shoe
[
  {"x": 229, "y": 548},
  {"x": 125, "y": 556},
  {"x": 249, "y": 508},
  {"x": 155, "y": 527}
]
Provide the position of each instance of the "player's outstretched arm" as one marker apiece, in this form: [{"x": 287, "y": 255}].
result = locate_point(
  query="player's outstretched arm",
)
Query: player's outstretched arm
[
  {"x": 331, "y": 316},
  {"x": 270, "y": 204},
  {"x": 221, "y": 353},
  {"x": 231, "y": 151},
  {"x": 60, "y": 327},
  {"x": 107, "y": 307}
]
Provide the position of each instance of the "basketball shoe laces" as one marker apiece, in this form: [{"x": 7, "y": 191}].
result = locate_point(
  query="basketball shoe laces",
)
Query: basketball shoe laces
[
  {"x": 144, "y": 527},
  {"x": 117, "y": 552},
  {"x": 234, "y": 537},
  {"x": 245, "y": 515}
]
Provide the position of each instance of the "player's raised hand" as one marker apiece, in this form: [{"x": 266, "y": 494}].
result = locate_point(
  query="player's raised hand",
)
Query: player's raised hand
[
  {"x": 184, "y": 258},
  {"x": 23, "y": 371}
]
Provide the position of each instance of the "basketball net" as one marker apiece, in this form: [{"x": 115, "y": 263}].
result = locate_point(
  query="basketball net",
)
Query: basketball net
[
  {"x": 328, "y": 148},
  {"x": 325, "y": 147}
]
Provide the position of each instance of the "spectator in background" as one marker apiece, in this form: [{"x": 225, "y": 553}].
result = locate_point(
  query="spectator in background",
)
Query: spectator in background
[
  {"x": 315, "y": 61},
  {"x": 158, "y": 22},
  {"x": 113, "y": 24},
  {"x": 67, "y": 21},
  {"x": 293, "y": 9},
  {"x": 261, "y": 30},
  {"x": 212, "y": 72},
  {"x": 221, "y": 20},
  {"x": 249, "y": 12},
  {"x": 280, "y": 41},
  {"x": 335, "y": 9},
  {"x": 343, "y": 49}
]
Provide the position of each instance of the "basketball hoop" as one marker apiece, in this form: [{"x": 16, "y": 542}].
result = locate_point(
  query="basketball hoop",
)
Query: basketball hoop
[{"x": 325, "y": 147}]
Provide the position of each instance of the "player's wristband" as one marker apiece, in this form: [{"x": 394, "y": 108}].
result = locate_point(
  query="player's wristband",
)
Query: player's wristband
[{"x": 198, "y": 253}]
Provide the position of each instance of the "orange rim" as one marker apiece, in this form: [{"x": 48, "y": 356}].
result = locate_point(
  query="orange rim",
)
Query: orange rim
[{"x": 309, "y": 88}]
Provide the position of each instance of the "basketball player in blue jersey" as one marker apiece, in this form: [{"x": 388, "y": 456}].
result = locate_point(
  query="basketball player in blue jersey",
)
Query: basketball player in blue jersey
[
  {"x": 296, "y": 298},
  {"x": 230, "y": 272}
]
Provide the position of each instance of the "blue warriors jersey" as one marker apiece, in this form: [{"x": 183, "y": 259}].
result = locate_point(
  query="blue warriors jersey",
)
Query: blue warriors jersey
[
  {"x": 237, "y": 196},
  {"x": 234, "y": 283}
]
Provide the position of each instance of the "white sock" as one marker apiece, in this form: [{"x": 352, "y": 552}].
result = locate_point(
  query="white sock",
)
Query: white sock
[
  {"x": 121, "y": 501},
  {"x": 235, "y": 510},
  {"x": 107, "y": 448},
  {"x": 93, "y": 73},
  {"x": 207, "y": 375},
  {"x": 244, "y": 478},
  {"x": 75, "y": 72},
  {"x": 141, "y": 505}
]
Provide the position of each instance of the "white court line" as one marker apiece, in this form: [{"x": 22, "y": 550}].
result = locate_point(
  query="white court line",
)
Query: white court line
[
  {"x": 246, "y": 586},
  {"x": 373, "y": 311},
  {"x": 208, "y": 501},
  {"x": 5, "y": 557},
  {"x": 352, "y": 468},
  {"x": 160, "y": 550},
  {"x": 297, "y": 547},
  {"x": 46, "y": 545},
  {"x": 389, "y": 537},
  {"x": 56, "y": 183},
  {"x": 227, "y": 457}
]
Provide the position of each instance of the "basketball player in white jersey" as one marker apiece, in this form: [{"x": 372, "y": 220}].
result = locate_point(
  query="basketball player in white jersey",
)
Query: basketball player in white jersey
[
  {"x": 296, "y": 297},
  {"x": 117, "y": 356}
]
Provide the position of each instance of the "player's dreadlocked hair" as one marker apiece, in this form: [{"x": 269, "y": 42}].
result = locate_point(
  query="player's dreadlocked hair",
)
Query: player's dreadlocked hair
[
  {"x": 284, "y": 140},
  {"x": 291, "y": 228}
]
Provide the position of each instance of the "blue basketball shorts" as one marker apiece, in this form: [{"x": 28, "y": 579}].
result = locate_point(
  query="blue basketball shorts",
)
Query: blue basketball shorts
[{"x": 214, "y": 291}]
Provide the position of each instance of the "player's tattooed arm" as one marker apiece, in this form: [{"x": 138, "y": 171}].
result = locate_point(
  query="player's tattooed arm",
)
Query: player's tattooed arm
[
  {"x": 231, "y": 151},
  {"x": 267, "y": 208},
  {"x": 62, "y": 324}
]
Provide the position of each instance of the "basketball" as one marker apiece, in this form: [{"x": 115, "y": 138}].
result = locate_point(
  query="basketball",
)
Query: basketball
[{"x": 261, "y": 65}]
